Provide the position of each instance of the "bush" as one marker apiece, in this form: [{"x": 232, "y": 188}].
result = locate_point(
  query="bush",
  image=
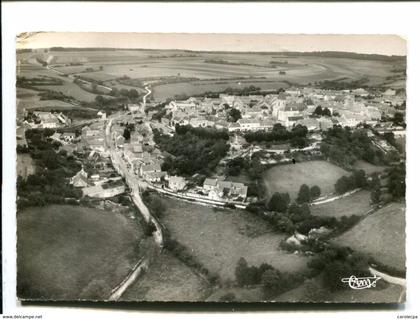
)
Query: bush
[{"x": 150, "y": 229}]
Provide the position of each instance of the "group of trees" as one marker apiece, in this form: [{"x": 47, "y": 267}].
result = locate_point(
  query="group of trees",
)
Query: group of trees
[
  {"x": 50, "y": 182},
  {"x": 233, "y": 115},
  {"x": 273, "y": 281},
  {"x": 251, "y": 167},
  {"x": 319, "y": 111},
  {"x": 131, "y": 94},
  {"x": 342, "y": 85},
  {"x": 347, "y": 183},
  {"x": 192, "y": 150},
  {"x": 344, "y": 146},
  {"x": 396, "y": 185},
  {"x": 307, "y": 194},
  {"x": 394, "y": 189},
  {"x": 279, "y": 202},
  {"x": 203, "y": 132},
  {"x": 335, "y": 263},
  {"x": 398, "y": 119},
  {"x": 296, "y": 136},
  {"x": 289, "y": 217}
]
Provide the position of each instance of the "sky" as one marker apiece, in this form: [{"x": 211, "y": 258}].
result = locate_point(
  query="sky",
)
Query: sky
[{"x": 372, "y": 44}]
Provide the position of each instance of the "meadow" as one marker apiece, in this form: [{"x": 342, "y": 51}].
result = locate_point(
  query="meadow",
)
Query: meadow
[
  {"x": 355, "y": 204},
  {"x": 219, "y": 237},
  {"x": 54, "y": 241},
  {"x": 167, "y": 279},
  {"x": 288, "y": 178},
  {"x": 380, "y": 235},
  {"x": 148, "y": 64}
]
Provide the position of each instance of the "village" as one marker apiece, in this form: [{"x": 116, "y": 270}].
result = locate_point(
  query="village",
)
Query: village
[
  {"x": 317, "y": 110},
  {"x": 147, "y": 175}
]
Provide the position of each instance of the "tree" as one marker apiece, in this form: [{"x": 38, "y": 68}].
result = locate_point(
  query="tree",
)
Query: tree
[
  {"x": 157, "y": 206},
  {"x": 114, "y": 92},
  {"x": 234, "y": 115},
  {"x": 241, "y": 271},
  {"x": 124, "y": 92},
  {"x": 315, "y": 191},
  {"x": 100, "y": 99},
  {"x": 127, "y": 134},
  {"x": 304, "y": 195},
  {"x": 133, "y": 94},
  {"x": 318, "y": 110},
  {"x": 279, "y": 202},
  {"x": 397, "y": 182},
  {"x": 341, "y": 185},
  {"x": 360, "y": 178},
  {"x": 94, "y": 87},
  {"x": 326, "y": 112},
  {"x": 398, "y": 119},
  {"x": 334, "y": 272}
]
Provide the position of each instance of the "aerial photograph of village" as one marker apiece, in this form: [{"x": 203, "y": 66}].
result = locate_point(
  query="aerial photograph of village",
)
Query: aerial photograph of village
[{"x": 158, "y": 172}]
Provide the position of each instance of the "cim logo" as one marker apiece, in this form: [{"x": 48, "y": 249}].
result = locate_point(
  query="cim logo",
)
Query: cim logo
[{"x": 362, "y": 282}]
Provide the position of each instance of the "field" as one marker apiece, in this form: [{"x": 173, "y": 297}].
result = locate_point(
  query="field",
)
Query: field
[
  {"x": 146, "y": 64},
  {"x": 161, "y": 92},
  {"x": 380, "y": 235},
  {"x": 167, "y": 279},
  {"x": 219, "y": 237},
  {"x": 68, "y": 88},
  {"x": 288, "y": 178},
  {"x": 368, "y": 167},
  {"x": 54, "y": 242},
  {"x": 356, "y": 204}
]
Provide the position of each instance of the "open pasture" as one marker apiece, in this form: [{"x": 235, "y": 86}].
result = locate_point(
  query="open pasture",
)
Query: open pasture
[
  {"x": 219, "y": 237},
  {"x": 381, "y": 235},
  {"x": 288, "y": 178},
  {"x": 53, "y": 241},
  {"x": 355, "y": 204}
]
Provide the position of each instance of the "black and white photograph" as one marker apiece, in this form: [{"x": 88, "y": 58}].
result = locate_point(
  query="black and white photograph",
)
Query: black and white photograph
[{"x": 210, "y": 167}]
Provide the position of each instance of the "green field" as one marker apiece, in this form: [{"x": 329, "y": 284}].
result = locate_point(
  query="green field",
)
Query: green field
[
  {"x": 381, "y": 236},
  {"x": 167, "y": 279},
  {"x": 356, "y": 204},
  {"x": 288, "y": 178},
  {"x": 72, "y": 252},
  {"x": 219, "y": 237}
]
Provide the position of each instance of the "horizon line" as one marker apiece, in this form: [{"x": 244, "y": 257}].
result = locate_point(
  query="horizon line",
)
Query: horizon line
[{"x": 210, "y": 51}]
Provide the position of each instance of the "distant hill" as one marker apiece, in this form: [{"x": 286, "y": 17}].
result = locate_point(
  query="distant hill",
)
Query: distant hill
[{"x": 325, "y": 54}]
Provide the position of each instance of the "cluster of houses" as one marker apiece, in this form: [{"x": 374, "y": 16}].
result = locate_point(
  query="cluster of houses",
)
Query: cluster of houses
[
  {"x": 38, "y": 119},
  {"x": 104, "y": 184},
  {"x": 292, "y": 107},
  {"x": 225, "y": 190},
  {"x": 93, "y": 136}
]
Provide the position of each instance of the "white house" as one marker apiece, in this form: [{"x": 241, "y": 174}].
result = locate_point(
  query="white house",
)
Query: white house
[{"x": 177, "y": 183}]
